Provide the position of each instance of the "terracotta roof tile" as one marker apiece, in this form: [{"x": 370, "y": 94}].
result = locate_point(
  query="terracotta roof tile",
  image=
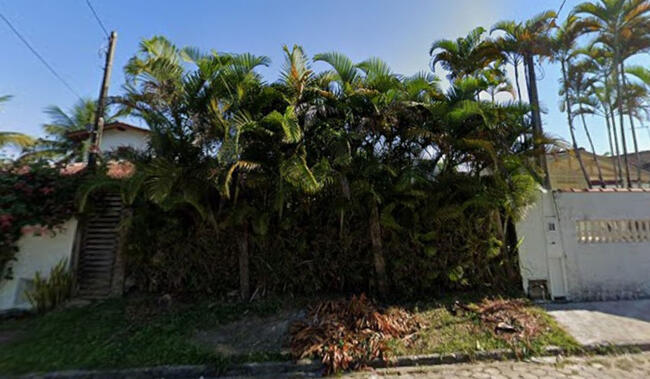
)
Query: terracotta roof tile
[
  {"x": 116, "y": 169},
  {"x": 604, "y": 190}
]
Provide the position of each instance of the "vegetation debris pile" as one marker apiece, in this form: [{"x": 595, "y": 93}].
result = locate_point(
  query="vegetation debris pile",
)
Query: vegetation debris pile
[
  {"x": 508, "y": 319},
  {"x": 347, "y": 334}
]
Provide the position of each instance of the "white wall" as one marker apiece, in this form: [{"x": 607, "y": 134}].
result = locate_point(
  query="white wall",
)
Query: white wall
[
  {"x": 115, "y": 138},
  {"x": 532, "y": 249},
  {"x": 36, "y": 253},
  {"x": 592, "y": 270}
]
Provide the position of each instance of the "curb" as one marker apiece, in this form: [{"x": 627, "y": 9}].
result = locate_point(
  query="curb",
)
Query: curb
[
  {"x": 303, "y": 368},
  {"x": 313, "y": 368},
  {"x": 187, "y": 371}
]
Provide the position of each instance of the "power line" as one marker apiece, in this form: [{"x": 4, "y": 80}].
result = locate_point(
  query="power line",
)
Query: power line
[
  {"x": 560, "y": 9},
  {"x": 99, "y": 21},
  {"x": 39, "y": 56}
]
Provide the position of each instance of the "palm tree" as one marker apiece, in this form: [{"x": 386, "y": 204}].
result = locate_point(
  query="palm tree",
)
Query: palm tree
[
  {"x": 530, "y": 39},
  {"x": 635, "y": 95},
  {"x": 581, "y": 93},
  {"x": 57, "y": 143},
  {"x": 511, "y": 54},
  {"x": 496, "y": 79},
  {"x": 617, "y": 24},
  {"x": 13, "y": 138},
  {"x": 371, "y": 79},
  {"x": 465, "y": 56},
  {"x": 563, "y": 43},
  {"x": 599, "y": 62},
  {"x": 199, "y": 119}
]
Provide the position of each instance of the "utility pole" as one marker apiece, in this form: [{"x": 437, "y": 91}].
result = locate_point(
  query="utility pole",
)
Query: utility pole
[{"x": 98, "y": 128}]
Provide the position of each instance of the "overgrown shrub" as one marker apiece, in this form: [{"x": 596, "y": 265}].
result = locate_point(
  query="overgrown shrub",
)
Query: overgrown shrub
[
  {"x": 351, "y": 179},
  {"x": 50, "y": 292},
  {"x": 438, "y": 244},
  {"x": 34, "y": 195}
]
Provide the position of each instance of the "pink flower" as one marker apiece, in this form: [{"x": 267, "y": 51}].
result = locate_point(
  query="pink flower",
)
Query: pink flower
[
  {"x": 6, "y": 220},
  {"x": 27, "y": 229},
  {"x": 24, "y": 170},
  {"x": 46, "y": 190}
]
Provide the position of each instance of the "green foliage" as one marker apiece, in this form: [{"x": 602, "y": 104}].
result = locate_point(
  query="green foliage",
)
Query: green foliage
[
  {"x": 34, "y": 198},
  {"x": 286, "y": 176},
  {"x": 13, "y": 138},
  {"x": 122, "y": 334},
  {"x": 50, "y": 292}
]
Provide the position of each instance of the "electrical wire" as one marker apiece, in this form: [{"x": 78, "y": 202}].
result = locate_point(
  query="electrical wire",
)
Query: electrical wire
[
  {"x": 99, "y": 21},
  {"x": 560, "y": 9},
  {"x": 39, "y": 56}
]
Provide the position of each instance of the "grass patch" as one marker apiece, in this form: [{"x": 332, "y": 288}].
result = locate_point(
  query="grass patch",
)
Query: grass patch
[
  {"x": 121, "y": 334},
  {"x": 139, "y": 332},
  {"x": 449, "y": 332}
]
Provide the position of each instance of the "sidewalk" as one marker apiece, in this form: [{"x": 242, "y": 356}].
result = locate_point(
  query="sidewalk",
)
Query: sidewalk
[
  {"x": 619, "y": 323},
  {"x": 631, "y": 366}
]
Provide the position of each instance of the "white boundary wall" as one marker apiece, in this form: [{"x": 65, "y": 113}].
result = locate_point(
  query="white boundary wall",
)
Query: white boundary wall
[
  {"x": 588, "y": 245},
  {"x": 36, "y": 253}
]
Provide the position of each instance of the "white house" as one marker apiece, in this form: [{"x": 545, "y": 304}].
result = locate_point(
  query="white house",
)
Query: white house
[
  {"x": 117, "y": 135},
  {"x": 40, "y": 252}
]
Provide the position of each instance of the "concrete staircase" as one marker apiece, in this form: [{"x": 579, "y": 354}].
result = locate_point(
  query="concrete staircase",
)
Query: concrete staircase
[{"x": 96, "y": 267}]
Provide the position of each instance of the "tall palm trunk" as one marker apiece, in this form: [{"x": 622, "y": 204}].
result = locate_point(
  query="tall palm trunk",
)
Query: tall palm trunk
[
  {"x": 619, "y": 102},
  {"x": 244, "y": 269},
  {"x": 611, "y": 149},
  {"x": 593, "y": 149},
  {"x": 634, "y": 139},
  {"x": 609, "y": 115},
  {"x": 617, "y": 145},
  {"x": 378, "y": 250},
  {"x": 636, "y": 149},
  {"x": 537, "y": 117},
  {"x": 567, "y": 101},
  {"x": 516, "y": 64}
]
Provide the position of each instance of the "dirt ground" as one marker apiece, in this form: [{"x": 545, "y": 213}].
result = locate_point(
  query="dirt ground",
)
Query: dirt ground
[{"x": 252, "y": 335}]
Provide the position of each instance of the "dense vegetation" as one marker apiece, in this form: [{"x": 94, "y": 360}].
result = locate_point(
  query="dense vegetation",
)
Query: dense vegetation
[
  {"x": 355, "y": 178},
  {"x": 351, "y": 179}
]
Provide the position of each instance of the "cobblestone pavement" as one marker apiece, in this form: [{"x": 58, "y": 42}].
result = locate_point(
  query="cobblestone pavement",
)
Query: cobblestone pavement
[{"x": 621, "y": 366}]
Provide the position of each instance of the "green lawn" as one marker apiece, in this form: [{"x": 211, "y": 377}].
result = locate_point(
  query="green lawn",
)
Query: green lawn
[
  {"x": 139, "y": 333},
  {"x": 118, "y": 334},
  {"x": 447, "y": 333}
]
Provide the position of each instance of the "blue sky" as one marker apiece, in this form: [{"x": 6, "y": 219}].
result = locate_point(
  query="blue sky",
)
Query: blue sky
[{"x": 400, "y": 32}]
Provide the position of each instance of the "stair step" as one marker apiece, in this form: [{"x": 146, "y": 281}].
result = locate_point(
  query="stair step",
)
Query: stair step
[
  {"x": 99, "y": 244},
  {"x": 93, "y": 297},
  {"x": 104, "y": 221},
  {"x": 95, "y": 245},
  {"x": 95, "y": 272},
  {"x": 104, "y": 265},
  {"x": 96, "y": 289},
  {"x": 95, "y": 285},
  {"x": 101, "y": 237},
  {"x": 96, "y": 258},
  {"x": 107, "y": 215},
  {"x": 98, "y": 252}
]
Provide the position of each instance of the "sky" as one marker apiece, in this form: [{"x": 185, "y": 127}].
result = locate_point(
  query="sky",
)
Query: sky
[{"x": 400, "y": 32}]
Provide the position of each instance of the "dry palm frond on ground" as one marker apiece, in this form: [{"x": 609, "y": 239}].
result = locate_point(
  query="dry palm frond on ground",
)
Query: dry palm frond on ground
[
  {"x": 508, "y": 319},
  {"x": 346, "y": 334}
]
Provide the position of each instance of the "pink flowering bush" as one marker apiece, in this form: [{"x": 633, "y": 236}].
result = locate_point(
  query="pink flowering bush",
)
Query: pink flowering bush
[{"x": 34, "y": 199}]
